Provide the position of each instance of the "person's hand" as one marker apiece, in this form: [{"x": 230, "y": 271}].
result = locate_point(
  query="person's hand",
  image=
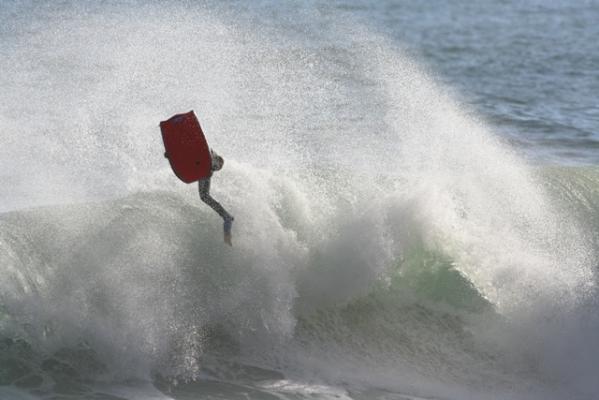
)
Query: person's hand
[{"x": 228, "y": 239}]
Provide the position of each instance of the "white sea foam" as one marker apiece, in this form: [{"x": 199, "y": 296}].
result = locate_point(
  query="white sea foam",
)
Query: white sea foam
[{"x": 343, "y": 155}]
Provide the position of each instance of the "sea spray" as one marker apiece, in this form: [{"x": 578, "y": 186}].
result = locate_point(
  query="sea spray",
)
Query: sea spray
[{"x": 385, "y": 237}]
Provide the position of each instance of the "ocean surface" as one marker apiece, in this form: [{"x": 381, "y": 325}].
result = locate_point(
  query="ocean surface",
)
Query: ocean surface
[{"x": 415, "y": 187}]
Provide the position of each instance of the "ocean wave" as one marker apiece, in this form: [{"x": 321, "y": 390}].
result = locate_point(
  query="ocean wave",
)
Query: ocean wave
[{"x": 143, "y": 285}]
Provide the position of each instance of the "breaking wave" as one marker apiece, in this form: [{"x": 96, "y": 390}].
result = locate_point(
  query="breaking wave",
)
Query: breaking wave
[
  {"x": 143, "y": 287},
  {"x": 385, "y": 238}
]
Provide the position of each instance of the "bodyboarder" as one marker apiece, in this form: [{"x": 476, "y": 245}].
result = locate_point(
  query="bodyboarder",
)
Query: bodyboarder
[{"x": 217, "y": 163}]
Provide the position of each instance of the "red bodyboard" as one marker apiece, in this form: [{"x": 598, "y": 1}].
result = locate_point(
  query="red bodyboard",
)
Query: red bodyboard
[{"x": 186, "y": 147}]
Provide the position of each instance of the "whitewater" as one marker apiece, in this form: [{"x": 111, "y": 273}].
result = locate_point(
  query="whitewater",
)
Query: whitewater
[{"x": 389, "y": 241}]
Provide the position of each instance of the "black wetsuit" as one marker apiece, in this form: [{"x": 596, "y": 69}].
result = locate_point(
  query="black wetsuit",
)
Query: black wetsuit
[{"x": 204, "y": 188}]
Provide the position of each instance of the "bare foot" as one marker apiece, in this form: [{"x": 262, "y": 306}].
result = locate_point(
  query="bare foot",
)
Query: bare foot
[{"x": 227, "y": 228}]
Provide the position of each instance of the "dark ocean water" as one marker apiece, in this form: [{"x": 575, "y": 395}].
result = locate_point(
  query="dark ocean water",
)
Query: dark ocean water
[{"x": 529, "y": 67}]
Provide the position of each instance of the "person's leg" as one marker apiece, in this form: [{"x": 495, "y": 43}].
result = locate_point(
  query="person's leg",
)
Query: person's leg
[{"x": 204, "y": 188}]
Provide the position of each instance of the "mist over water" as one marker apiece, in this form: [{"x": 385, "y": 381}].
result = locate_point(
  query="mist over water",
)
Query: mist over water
[{"x": 388, "y": 241}]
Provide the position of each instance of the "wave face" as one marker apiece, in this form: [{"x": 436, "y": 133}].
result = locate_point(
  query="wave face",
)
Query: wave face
[
  {"x": 143, "y": 286},
  {"x": 386, "y": 240}
]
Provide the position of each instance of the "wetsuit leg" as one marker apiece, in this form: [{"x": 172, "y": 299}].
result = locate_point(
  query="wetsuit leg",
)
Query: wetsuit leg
[{"x": 204, "y": 188}]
